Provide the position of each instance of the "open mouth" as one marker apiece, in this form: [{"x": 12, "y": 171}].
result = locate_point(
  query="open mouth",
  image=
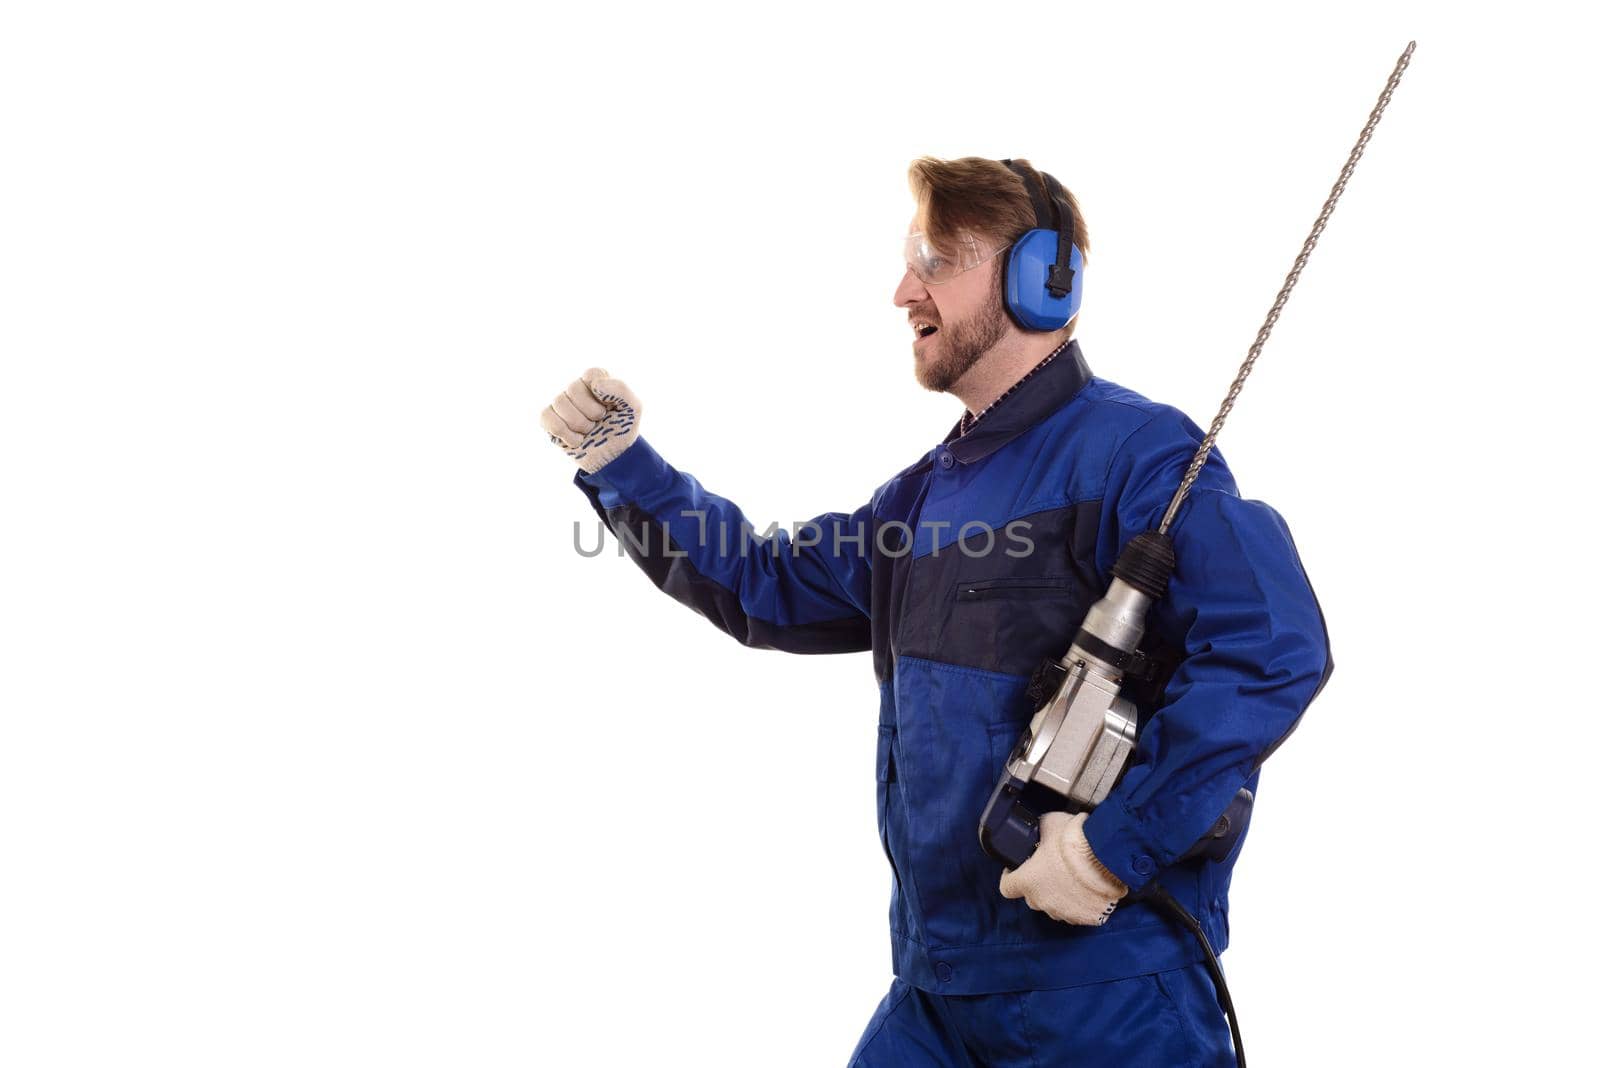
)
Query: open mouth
[{"x": 924, "y": 330}]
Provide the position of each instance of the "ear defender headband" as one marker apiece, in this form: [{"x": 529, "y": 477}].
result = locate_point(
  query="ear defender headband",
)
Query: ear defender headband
[{"x": 1042, "y": 274}]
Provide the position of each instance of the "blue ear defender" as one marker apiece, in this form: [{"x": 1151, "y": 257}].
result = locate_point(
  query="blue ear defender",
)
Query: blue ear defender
[{"x": 1042, "y": 275}]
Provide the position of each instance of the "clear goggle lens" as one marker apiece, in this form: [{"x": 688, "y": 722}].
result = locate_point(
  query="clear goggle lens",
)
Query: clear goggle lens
[{"x": 934, "y": 265}]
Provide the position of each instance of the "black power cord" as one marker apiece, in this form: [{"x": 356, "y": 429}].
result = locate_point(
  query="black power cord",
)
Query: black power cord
[{"x": 1157, "y": 894}]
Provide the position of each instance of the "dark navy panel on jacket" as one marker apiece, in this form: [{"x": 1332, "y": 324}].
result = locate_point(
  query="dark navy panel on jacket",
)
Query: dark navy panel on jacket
[{"x": 961, "y": 574}]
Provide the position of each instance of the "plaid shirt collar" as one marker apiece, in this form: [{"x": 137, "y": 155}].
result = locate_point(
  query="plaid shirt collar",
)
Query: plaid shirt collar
[
  {"x": 968, "y": 420},
  {"x": 1052, "y": 384}
]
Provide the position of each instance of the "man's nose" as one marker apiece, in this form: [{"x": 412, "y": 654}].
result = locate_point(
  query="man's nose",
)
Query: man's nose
[{"x": 911, "y": 290}]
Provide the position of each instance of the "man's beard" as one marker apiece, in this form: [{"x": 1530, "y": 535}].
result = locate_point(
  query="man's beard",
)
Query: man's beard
[{"x": 963, "y": 344}]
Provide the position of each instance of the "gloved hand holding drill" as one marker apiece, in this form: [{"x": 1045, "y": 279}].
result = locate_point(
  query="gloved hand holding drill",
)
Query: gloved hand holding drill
[
  {"x": 594, "y": 420},
  {"x": 1063, "y": 879}
]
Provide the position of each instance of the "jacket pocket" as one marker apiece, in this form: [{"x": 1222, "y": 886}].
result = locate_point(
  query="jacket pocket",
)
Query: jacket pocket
[
  {"x": 885, "y": 783},
  {"x": 886, "y": 777},
  {"x": 1044, "y": 586},
  {"x": 1008, "y": 624}
]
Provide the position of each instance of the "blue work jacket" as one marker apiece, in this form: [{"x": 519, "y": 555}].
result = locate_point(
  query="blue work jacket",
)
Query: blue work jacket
[{"x": 961, "y": 574}]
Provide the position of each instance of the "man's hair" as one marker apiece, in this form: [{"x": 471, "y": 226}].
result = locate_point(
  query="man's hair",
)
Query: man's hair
[{"x": 982, "y": 196}]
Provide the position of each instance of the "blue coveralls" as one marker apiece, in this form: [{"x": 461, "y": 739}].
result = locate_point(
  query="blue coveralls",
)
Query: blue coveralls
[{"x": 961, "y": 574}]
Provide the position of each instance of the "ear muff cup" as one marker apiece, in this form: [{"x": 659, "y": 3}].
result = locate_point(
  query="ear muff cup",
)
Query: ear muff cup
[{"x": 1023, "y": 276}]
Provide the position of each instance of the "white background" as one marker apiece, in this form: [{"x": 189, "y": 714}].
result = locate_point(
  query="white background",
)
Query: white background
[{"x": 322, "y": 746}]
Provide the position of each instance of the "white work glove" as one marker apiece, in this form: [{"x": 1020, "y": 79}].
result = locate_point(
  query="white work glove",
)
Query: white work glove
[
  {"x": 1063, "y": 879},
  {"x": 594, "y": 420}
]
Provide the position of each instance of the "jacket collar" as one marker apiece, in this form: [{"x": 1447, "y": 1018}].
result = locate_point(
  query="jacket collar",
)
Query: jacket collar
[{"x": 1056, "y": 383}]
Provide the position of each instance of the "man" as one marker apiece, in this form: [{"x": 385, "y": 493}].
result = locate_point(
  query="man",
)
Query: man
[{"x": 961, "y": 574}]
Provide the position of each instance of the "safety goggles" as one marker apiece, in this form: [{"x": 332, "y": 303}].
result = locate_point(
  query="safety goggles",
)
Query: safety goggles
[{"x": 934, "y": 266}]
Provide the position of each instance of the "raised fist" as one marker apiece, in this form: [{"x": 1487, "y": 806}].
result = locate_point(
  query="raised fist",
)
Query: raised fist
[{"x": 594, "y": 420}]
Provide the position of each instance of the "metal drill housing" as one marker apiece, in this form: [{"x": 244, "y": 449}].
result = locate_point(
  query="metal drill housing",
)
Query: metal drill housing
[{"x": 1079, "y": 742}]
